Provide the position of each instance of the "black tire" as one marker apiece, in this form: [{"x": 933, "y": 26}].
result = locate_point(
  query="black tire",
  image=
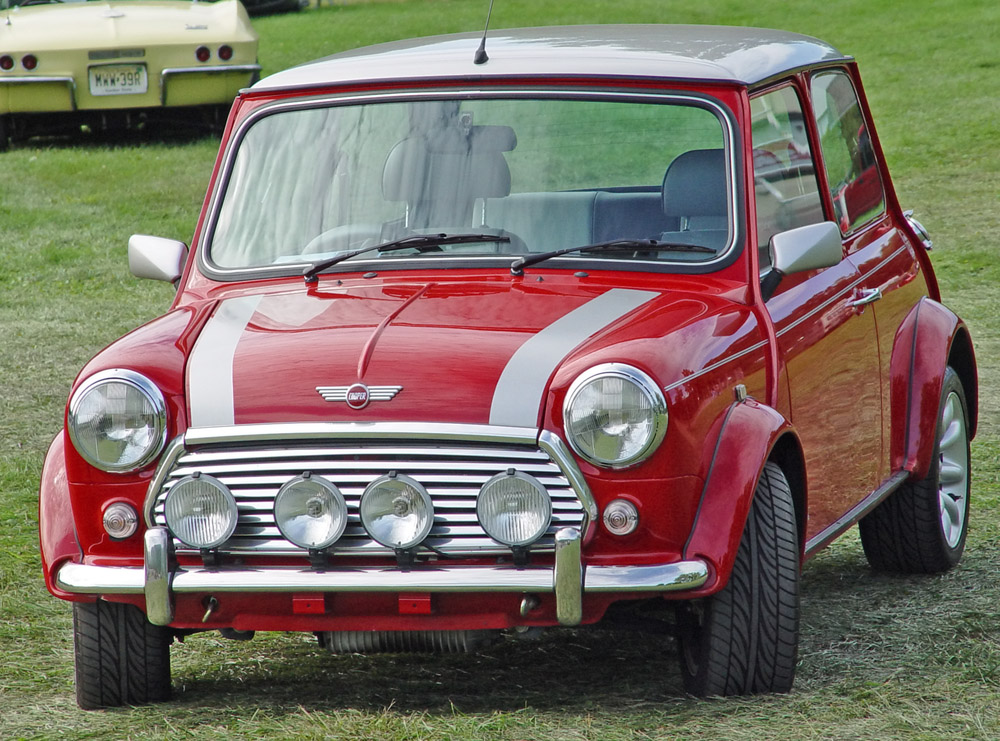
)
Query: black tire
[
  {"x": 921, "y": 527},
  {"x": 121, "y": 658},
  {"x": 4, "y": 134},
  {"x": 744, "y": 639}
]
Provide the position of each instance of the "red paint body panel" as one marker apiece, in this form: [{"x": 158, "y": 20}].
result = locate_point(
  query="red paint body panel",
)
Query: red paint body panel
[
  {"x": 741, "y": 447},
  {"x": 824, "y": 378},
  {"x": 922, "y": 349}
]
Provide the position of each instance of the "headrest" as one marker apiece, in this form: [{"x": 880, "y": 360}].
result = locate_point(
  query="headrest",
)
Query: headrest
[
  {"x": 695, "y": 184},
  {"x": 449, "y": 163}
]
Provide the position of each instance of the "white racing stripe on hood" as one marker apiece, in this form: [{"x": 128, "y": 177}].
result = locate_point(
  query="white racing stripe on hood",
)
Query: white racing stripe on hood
[
  {"x": 518, "y": 396},
  {"x": 210, "y": 367}
]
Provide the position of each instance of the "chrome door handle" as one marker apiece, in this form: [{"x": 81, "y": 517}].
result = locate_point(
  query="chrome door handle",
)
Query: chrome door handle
[{"x": 866, "y": 297}]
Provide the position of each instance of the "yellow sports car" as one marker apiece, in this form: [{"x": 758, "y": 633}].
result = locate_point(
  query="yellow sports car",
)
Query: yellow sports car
[{"x": 118, "y": 63}]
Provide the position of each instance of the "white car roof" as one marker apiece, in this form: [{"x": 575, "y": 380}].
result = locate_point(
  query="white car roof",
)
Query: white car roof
[{"x": 698, "y": 53}]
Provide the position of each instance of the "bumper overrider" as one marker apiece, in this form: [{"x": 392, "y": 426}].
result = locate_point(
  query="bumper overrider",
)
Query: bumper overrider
[{"x": 568, "y": 578}]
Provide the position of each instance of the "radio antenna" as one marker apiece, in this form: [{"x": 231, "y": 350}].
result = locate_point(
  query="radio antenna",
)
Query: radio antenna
[{"x": 481, "y": 56}]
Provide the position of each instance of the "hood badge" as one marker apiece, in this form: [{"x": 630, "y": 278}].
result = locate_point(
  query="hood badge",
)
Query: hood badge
[{"x": 359, "y": 395}]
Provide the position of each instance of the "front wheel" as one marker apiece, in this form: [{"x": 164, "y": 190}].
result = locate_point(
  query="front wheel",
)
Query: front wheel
[
  {"x": 744, "y": 639},
  {"x": 121, "y": 658},
  {"x": 921, "y": 528}
]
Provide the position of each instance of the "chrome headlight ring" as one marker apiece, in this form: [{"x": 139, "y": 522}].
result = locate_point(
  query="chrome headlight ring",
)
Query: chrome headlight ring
[
  {"x": 615, "y": 415},
  {"x": 117, "y": 420}
]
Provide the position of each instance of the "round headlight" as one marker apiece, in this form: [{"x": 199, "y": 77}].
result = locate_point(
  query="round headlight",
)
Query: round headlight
[
  {"x": 397, "y": 511},
  {"x": 310, "y": 512},
  {"x": 118, "y": 420},
  {"x": 201, "y": 511},
  {"x": 615, "y": 415},
  {"x": 514, "y": 508}
]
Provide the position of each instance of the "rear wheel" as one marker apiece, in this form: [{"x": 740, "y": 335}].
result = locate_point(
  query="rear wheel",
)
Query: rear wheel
[
  {"x": 121, "y": 658},
  {"x": 744, "y": 638},
  {"x": 921, "y": 528}
]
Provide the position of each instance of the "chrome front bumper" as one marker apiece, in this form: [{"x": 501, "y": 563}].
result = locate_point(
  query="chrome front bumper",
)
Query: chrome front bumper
[{"x": 568, "y": 580}]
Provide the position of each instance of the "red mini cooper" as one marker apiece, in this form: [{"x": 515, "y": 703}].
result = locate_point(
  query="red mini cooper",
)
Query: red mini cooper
[{"x": 471, "y": 342}]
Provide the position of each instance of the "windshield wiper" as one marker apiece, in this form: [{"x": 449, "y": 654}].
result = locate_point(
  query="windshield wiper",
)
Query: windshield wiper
[
  {"x": 419, "y": 242},
  {"x": 631, "y": 245}
]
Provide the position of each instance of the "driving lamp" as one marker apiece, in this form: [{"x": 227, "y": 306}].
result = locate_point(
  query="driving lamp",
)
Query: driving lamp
[
  {"x": 514, "y": 508},
  {"x": 117, "y": 420},
  {"x": 615, "y": 415},
  {"x": 200, "y": 511},
  {"x": 397, "y": 511},
  {"x": 310, "y": 512}
]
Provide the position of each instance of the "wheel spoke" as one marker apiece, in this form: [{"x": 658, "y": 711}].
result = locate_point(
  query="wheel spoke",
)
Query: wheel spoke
[
  {"x": 953, "y": 433},
  {"x": 951, "y": 473}
]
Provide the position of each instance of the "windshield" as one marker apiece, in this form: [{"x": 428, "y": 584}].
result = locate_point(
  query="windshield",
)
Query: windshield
[{"x": 540, "y": 174}]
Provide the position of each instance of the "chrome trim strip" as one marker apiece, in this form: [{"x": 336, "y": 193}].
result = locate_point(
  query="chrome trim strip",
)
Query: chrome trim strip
[
  {"x": 787, "y": 328},
  {"x": 839, "y": 297},
  {"x": 517, "y": 399},
  {"x": 159, "y": 608},
  {"x": 26, "y": 80},
  {"x": 210, "y": 366},
  {"x": 558, "y": 451},
  {"x": 714, "y": 366},
  {"x": 859, "y": 510},
  {"x": 359, "y": 431}
]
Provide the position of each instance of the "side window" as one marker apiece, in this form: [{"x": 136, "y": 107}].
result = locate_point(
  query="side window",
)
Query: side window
[
  {"x": 855, "y": 183},
  {"x": 785, "y": 183}
]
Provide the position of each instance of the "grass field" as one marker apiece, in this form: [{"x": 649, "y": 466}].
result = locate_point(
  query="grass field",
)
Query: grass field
[{"x": 881, "y": 657}]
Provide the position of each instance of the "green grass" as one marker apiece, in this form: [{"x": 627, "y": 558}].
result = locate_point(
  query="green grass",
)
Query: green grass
[{"x": 881, "y": 657}]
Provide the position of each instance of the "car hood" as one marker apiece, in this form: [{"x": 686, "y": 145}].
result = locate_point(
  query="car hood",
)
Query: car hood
[
  {"x": 95, "y": 25},
  {"x": 476, "y": 352}
]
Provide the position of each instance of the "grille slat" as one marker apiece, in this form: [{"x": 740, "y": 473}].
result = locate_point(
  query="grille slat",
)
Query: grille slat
[{"x": 452, "y": 474}]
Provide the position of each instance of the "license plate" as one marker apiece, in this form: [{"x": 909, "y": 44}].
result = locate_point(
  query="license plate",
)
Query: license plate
[{"x": 118, "y": 79}]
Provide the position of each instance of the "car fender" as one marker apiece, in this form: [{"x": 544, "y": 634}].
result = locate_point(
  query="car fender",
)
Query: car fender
[
  {"x": 930, "y": 338},
  {"x": 748, "y": 433},
  {"x": 56, "y": 532}
]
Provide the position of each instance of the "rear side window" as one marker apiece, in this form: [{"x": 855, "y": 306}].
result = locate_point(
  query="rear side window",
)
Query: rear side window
[
  {"x": 851, "y": 169},
  {"x": 785, "y": 182}
]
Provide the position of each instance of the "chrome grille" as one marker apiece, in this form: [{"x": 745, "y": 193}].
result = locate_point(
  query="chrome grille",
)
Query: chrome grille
[{"x": 452, "y": 472}]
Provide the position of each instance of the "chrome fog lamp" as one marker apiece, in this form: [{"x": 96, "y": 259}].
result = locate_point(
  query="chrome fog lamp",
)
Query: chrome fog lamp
[
  {"x": 397, "y": 511},
  {"x": 200, "y": 511},
  {"x": 117, "y": 420},
  {"x": 514, "y": 509},
  {"x": 120, "y": 520},
  {"x": 621, "y": 517},
  {"x": 615, "y": 415},
  {"x": 310, "y": 512}
]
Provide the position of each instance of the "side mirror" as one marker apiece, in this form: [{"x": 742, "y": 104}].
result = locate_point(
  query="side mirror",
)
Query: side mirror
[
  {"x": 156, "y": 258},
  {"x": 798, "y": 250}
]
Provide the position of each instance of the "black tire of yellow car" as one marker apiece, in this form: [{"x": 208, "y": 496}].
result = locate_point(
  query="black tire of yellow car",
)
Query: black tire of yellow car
[
  {"x": 4, "y": 134},
  {"x": 904, "y": 534},
  {"x": 744, "y": 639},
  {"x": 121, "y": 658}
]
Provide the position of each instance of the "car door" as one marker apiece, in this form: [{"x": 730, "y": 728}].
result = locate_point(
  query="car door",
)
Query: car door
[
  {"x": 827, "y": 339},
  {"x": 890, "y": 280}
]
